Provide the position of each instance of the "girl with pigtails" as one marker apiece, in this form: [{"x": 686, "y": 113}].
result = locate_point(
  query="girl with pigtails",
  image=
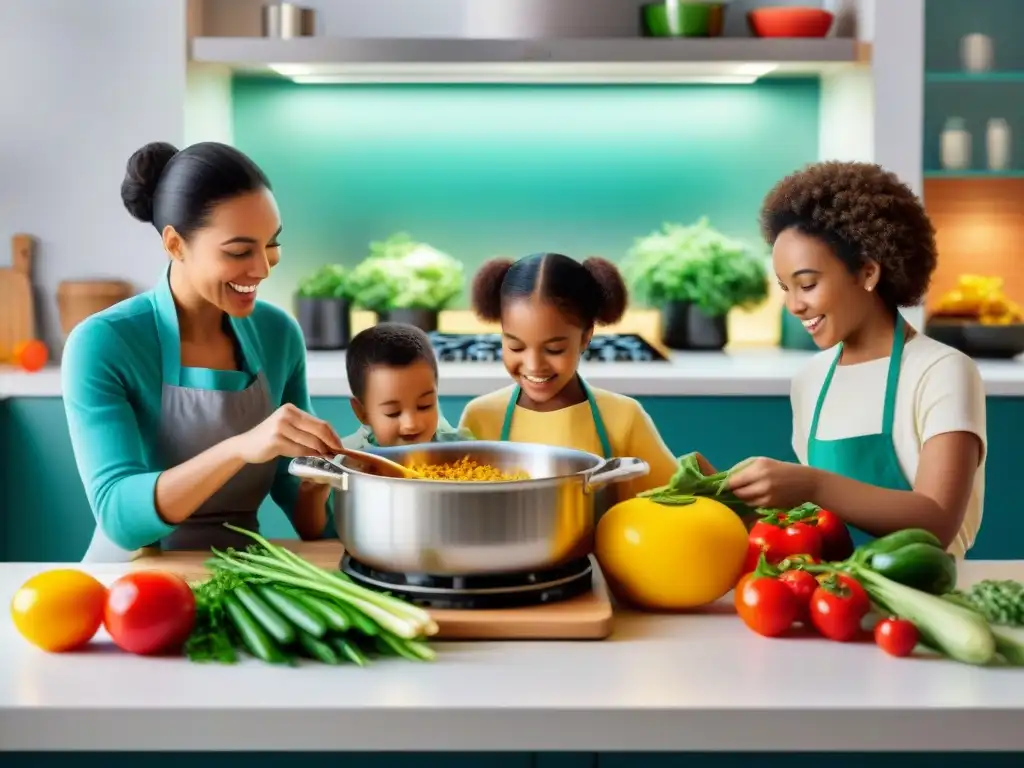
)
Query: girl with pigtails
[{"x": 548, "y": 305}]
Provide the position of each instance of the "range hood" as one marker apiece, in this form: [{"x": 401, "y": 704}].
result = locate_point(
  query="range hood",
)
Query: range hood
[{"x": 722, "y": 60}]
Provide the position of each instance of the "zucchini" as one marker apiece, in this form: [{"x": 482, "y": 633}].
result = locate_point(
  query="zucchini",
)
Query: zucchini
[
  {"x": 918, "y": 565},
  {"x": 959, "y": 633}
]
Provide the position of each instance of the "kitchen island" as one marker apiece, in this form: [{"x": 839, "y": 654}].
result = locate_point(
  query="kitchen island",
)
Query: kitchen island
[{"x": 699, "y": 682}]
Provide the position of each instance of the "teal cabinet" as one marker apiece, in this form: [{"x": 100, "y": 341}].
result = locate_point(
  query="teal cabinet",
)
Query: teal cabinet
[{"x": 44, "y": 515}]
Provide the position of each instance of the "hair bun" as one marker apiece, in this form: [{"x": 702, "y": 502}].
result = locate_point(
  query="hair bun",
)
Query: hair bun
[
  {"x": 141, "y": 177},
  {"x": 486, "y": 294},
  {"x": 614, "y": 294}
]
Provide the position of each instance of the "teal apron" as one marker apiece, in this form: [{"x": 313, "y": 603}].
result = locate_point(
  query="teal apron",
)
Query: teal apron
[
  {"x": 869, "y": 459},
  {"x": 602, "y": 433}
]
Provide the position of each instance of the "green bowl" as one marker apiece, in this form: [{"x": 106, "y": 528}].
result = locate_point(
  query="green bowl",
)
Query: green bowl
[{"x": 684, "y": 20}]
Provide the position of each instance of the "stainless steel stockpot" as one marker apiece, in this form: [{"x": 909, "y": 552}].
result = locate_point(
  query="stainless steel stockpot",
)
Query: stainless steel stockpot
[{"x": 443, "y": 527}]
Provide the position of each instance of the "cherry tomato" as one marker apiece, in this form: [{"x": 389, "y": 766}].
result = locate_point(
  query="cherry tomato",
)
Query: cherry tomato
[
  {"x": 150, "y": 612},
  {"x": 766, "y": 605},
  {"x": 803, "y": 585},
  {"x": 837, "y": 607},
  {"x": 59, "y": 610},
  {"x": 836, "y": 542},
  {"x": 897, "y": 637}
]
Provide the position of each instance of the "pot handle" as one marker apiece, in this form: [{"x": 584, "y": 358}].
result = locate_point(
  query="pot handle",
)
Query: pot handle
[
  {"x": 317, "y": 470},
  {"x": 615, "y": 471}
]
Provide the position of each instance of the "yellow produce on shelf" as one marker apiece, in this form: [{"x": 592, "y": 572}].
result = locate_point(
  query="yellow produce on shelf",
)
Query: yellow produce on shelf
[{"x": 982, "y": 298}]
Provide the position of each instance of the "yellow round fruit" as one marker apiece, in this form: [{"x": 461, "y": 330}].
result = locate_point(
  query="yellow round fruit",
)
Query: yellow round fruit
[
  {"x": 664, "y": 557},
  {"x": 59, "y": 610}
]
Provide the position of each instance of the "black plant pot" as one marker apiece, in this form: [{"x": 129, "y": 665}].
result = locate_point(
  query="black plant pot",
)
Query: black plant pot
[
  {"x": 424, "y": 319},
  {"x": 325, "y": 323},
  {"x": 685, "y": 326}
]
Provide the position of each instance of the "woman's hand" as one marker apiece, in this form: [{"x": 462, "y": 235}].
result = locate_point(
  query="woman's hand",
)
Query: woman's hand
[
  {"x": 770, "y": 484},
  {"x": 290, "y": 432}
]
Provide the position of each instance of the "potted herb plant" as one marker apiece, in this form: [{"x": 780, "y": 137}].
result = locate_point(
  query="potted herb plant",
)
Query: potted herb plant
[
  {"x": 695, "y": 275},
  {"x": 406, "y": 281},
  {"x": 323, "y": 305}
]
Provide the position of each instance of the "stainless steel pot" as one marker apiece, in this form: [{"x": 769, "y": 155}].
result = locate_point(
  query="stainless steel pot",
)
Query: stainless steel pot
[{"x": 459, "y": 528}]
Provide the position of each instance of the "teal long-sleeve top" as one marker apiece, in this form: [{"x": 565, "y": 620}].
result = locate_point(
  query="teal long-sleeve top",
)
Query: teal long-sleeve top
[{"x": 112, "y": 375}]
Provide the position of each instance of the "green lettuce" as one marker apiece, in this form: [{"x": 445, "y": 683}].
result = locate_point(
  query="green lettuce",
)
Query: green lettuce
[{"x": 402, "y": 273}]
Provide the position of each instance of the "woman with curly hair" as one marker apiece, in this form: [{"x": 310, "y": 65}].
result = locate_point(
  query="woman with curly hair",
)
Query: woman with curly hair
[
  {"x": 548, "y": 305},
  {"x": 888, "y": 424}
]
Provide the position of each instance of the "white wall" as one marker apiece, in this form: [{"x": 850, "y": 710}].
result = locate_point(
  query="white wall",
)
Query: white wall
[{"x": 84, "y": 84}]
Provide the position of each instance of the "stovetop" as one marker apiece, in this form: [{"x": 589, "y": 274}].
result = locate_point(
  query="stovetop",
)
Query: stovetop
[
  {"x": 481, "y": 592},
  {"x": 486, "y": 348}
]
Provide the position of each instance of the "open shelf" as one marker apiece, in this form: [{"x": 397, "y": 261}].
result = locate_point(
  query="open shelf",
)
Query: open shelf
[
  {"x": 1012, "y": 173},
  {"x": 327, "y": 59},
  {"x": 971, "y": 77}
]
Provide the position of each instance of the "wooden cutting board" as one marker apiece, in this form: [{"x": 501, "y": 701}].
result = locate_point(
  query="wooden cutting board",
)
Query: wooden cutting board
[
  {"x": 588, "y": 617},
  {"x": 17, "y": 308}
]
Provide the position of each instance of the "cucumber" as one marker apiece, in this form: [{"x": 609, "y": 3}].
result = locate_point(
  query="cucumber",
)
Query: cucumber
[
  {"x": 253, "y": 637},
  {"x": 318, "y": 649}
]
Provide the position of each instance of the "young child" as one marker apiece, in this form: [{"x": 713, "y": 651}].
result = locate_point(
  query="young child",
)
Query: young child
[
  {"x": 392, "y": 373},
  {"x": 548, "y": 305}
]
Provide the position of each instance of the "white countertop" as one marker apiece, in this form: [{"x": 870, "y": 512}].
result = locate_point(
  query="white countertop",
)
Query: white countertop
[
  {"x": 684, "y": 683},
  {"x": 743, "y": 372}
]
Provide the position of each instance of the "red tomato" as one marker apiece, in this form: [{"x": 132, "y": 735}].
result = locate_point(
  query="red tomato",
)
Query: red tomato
[
  {"x": 836, "y": 542},
  {"x": 803, "y": 585},
  {"x": 149, "y": 612},
  {"x": 801, "y": 539},
  {"x": 897, "y": 637},
  {"x": 838, "y": 606},
  {"x": 766, "y": 605},
  {"x": 781, "y": 541}
]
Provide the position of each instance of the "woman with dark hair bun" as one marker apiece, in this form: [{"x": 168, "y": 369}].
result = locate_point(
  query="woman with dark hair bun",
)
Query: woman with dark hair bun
[
  {"x": 182, "y": 400},
  {"x": 548, "y": 305}
]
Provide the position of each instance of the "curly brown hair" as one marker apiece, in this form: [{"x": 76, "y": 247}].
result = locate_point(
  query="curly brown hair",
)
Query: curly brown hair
[{"x": 863, "y": 212}]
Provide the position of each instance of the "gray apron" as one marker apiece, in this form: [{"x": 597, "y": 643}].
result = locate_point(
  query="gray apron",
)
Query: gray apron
[{"x": 193, "y": 419}]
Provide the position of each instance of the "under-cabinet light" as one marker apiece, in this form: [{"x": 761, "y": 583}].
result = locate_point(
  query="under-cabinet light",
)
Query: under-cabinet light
[
  {"x": 552, "y": 80},
  {"x": 716, "y": 73}
]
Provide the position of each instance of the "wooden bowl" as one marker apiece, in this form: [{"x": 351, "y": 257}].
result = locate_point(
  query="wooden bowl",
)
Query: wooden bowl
[{"x": 796, "y": 21}]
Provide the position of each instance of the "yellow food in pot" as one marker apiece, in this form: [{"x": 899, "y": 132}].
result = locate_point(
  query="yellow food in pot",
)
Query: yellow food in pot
[
  {"x": 467, "y": 469},
  {"x": 671, "y": 557}
]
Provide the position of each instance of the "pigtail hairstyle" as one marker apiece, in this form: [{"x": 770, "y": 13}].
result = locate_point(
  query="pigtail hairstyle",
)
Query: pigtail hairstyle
[
  {"x": 486, "y": 289},
  {"x": 611, "y": 288}
]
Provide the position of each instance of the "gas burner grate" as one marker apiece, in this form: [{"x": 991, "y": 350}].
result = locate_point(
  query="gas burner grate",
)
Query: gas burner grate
[
  {"x": 486, "y": 348},
  {"x": 482, "y": 592}
]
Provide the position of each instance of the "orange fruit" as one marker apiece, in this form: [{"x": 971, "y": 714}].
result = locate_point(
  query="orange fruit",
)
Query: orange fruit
[
  {"x": 31, "y": 355},
  {"x": 59, "y": 610}
]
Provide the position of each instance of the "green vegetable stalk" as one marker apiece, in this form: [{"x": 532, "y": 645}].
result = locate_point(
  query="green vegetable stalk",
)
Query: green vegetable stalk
[
  {"x": 276, "y": 606},
  {"x": 689, "y": 482}
]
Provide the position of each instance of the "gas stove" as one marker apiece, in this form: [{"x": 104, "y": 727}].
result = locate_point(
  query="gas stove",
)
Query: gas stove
[
  {"x": 486, "y": 348},
  {"x": 483, "y": 592}
]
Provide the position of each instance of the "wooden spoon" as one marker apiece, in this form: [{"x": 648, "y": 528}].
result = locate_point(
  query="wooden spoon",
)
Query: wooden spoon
[{"x": 378, "y": 465}]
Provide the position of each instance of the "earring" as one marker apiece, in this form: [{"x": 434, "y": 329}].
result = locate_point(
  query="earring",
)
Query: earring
[{"x": 869, "y": 288}]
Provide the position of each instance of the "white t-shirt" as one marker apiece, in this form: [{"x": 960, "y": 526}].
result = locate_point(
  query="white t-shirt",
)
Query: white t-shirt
[{"x": 940, "y": 390}]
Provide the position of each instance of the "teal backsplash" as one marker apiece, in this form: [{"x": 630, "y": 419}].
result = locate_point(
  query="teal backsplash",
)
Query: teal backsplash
[{"x": 479, "y": 171}]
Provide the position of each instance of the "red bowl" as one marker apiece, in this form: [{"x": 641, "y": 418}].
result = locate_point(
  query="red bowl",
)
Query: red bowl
[{"x": 790, "y": 22}]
